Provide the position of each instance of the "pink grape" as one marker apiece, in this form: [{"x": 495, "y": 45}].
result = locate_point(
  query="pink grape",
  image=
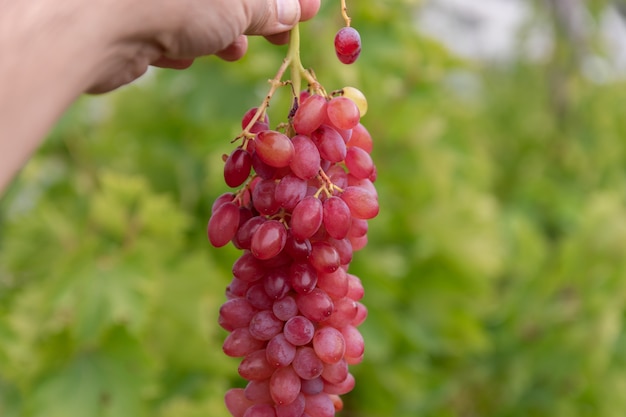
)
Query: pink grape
[
  {"x": 343, "y": 113},
  {"x": 347, "y": 45},
  {"x": 302, "y": 277},
  {"x": 307, "y": 364},
  {"x": 284, "y": 385},
  {"x": 236, "y": 402},
  {"x": 299, "y": 330},
  {"x": 223, "y": 224},
  {"x": 362, "y": 203},
  {"x": 279, "y": 351},
  {"x": 359, "y": 162},
  {"x": 361, "y": 138},
  {"x": 248, "y": 268},
  {"x": 330, "y": 143},
  {"x": 317, "y": 306},
  {"x": 274, "y": 148},
  {"x": 255, "y": 366},
  {"x": 295, "y": 408},
  {"x": 289, "y": 191},
  {"x": 237, "y": 167},
  {"x": 264, "y": 325},
  {"x": 310, "y": 115},
  {"x": 247, "y": 117},
  {"x": 258, "y": 391},
  {"x": 260, "y": 410},
  {"x": 329, "y": 344},
  {"x": 306, "y": 217},
  {"x": 236, "y": 313},
  {"x": 258, "y": 298},
  {"x": 306, "y": 159},
  {"x": 319, "y": 405},
  {"x": 336, "y": 217},
  {"x": 285, "y": 308},
  {"x": 240, "y": 342},
  {"x": 268, "y": 240}
]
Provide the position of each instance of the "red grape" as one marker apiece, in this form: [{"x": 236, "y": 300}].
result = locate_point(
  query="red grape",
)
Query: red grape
[{"x": 347, "y": 44}]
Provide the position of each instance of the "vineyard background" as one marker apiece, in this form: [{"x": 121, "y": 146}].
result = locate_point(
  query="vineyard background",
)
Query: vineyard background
[{"x": 495, "y": 275}]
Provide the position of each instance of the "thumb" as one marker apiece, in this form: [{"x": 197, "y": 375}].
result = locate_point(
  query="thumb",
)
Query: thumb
[{"x": 269, "y": 17}]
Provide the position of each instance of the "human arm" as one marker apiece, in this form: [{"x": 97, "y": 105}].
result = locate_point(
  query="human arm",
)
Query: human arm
[{"x": 52, "y": 51}]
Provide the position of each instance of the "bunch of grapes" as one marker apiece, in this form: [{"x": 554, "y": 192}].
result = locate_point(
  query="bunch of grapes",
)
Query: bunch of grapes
[{"x": 304, "y": 195}]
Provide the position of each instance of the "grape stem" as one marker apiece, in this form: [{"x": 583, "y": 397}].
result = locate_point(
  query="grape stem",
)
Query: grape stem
[
  {"x": 344, "y": 13},
  {"x": 297, "y": 72}
]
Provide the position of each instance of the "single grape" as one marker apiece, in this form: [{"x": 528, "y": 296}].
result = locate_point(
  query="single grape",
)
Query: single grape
[
  {"x": 289, "y": 191},
  {"x": 240, "y": 342},
  {"x": 236, "y": 313},
  {"x": 285, "y": 308},
  {"x": 306, "y": 159},
  {"x": 335, "y": 373},
  {"x": 260, "y": 410},
  {"x": 236, "y": 402},
  {"x": 312, "y": 386},
  {"x": 310, "y": 115},
  {"x": 316, "y": 306},
  {"x": 359, "y": 162},
  {"x": 363, "y": 204},
  {"x": 306, "y": 217},
  {"x": 223, "y": 224},
  {"x": 329, "y": 344},
  {"x": 295, "y": 408},
  {"x": 302, "y": 277},
  {"x": 248, "y": 268},
  {"x": 284, "y": 385},
  {"x": 264, "y": 197},
  {"x": 268, "y": 240},
  {"x": 324, "y": 257},
  {"x": 343, "y": 113},
  {"x": 279, "y": 351},
  {"x": 299, "y": 330},
  {"x": 306, "y": 363},
  {"x": 264, "y": 325},
  {"x": 237, "y": 167},
  {"x": 258, "y": 391},
  {"x": 319, "y": 405},
  {"x": 274, "y": 148},
  {"x": 348, "y": 44},
  {"x": 258, "y": 298},
  {"x": 255, "y": 366},
  {"x": 361, "y": 138},
  {"x": 337, "y": 218},
  {"x": 276, "y": 283},
  {"x": 329, "y": 142}
]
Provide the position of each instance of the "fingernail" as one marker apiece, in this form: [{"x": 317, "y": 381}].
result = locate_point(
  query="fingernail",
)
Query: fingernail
[{"x": 288, "y": 11}]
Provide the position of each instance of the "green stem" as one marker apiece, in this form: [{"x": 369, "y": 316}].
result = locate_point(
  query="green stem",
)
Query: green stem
[{"x": 293, "y": 56}]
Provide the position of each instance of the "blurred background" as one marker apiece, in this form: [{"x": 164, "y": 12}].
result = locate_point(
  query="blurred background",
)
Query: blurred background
[{"x": 495, "y": 274}]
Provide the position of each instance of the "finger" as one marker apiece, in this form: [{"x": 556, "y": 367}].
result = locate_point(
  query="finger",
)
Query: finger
[
  {"x": 280, "y": 17},
  {"x": 235, "y": 50},
  {"x": 308, "y": 9},
  {"x": 165, "y": 62},
  {"x": 279, "y": 38}
]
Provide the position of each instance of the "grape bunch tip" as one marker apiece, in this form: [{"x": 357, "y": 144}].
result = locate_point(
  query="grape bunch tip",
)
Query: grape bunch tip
[{"x": 302, "y": 196}]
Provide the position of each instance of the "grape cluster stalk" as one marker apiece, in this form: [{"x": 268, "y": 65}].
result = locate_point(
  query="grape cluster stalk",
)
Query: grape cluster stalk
[{"x": 303, "y": 193}]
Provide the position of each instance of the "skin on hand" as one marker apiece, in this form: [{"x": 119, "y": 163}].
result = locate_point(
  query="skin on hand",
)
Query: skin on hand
[
  {"x": 100, "y": 45},
  {"x": 219, "y": 29}
]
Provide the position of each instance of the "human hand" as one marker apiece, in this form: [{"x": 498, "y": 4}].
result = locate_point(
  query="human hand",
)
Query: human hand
[{"x": 172, "y": 33}]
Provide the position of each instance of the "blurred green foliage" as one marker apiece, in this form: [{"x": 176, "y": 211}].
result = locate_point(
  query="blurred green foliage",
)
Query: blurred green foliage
[{"x": 495, "y": 274}]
